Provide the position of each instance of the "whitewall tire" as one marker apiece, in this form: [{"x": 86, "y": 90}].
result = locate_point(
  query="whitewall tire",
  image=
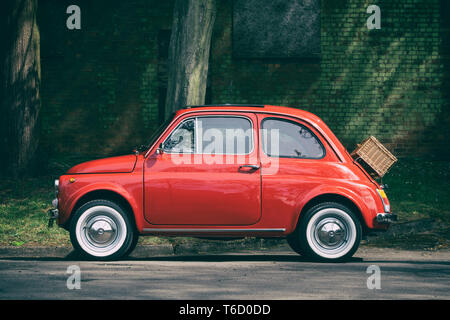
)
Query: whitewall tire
[
  {"x": 101, "y": 230},
  {"x": 329, "y": 231}
]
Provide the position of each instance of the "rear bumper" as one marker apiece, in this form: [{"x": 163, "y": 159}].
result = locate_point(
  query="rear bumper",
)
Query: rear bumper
[{"x": 386, "y": 217}]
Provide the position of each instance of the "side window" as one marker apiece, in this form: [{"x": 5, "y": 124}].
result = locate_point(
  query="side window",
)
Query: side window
[
  {"x": 211, "y": 135},
  {"x": 181, "y": 140},
  {"x": 288, "y": 139},
  {"x": 224, "y": 135}
]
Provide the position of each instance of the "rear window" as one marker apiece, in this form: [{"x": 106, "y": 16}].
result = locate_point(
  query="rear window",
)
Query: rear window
[{"x": 288, "y": 139}]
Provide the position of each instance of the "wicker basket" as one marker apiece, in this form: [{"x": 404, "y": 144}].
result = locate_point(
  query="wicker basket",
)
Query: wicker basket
[{"x": 375, "y": 155}]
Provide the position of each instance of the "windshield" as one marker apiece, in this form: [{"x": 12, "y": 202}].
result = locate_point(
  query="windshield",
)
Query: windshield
[{"x": 160, "y": 130}]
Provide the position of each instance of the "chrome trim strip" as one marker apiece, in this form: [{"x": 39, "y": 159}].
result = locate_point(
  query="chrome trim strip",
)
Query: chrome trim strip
[
  {"x": 214, "y": 230},
  {"x": 226, "y": 105}
]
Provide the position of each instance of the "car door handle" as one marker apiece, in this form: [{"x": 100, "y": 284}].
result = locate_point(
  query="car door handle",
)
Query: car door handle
[{"x": 252, "y": 167}]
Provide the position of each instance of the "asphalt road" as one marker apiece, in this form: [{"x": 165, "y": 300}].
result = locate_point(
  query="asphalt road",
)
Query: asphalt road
[{"x": 271, "y": 274}]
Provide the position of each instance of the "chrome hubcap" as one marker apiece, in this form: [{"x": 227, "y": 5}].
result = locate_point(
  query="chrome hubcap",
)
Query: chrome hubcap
[
  {"x": 101, "y": 230},
  {"x": 330, "y": 232}
]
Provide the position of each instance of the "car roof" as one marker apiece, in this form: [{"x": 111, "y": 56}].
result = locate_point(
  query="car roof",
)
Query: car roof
[{"x": 288, "y": 111}]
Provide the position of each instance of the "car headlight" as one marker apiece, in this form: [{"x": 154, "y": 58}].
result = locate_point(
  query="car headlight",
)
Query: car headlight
[
  {"x": 56, "y": 186},
  {"x": 384, "y": 199}
]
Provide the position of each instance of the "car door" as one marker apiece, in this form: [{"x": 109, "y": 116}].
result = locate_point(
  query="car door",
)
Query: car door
[
  {"x": 207, "y": 173},
  {"x": 294, "y": 161}
]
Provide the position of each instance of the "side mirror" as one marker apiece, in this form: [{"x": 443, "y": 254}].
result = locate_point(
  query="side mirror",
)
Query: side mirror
[{"x": 160, "y": 149}]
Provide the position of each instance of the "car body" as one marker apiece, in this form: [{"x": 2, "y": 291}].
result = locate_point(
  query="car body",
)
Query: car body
[{"x": 211, "y": 171}]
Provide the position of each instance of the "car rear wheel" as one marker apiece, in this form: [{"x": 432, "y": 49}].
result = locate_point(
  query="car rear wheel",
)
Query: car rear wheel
[
  {"x": 101, "y": 230},
  {"x": 330, "y": 232},
  {"x": 294, "y": 243}
]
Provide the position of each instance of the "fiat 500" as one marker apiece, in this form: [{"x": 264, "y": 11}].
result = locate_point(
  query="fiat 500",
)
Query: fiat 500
[{"x": 226, "y": 172}]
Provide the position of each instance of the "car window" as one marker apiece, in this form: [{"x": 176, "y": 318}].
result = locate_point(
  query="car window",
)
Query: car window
[
  {"x": 211, "y": 135},
  {"x": 285, "y": 138},
  {"x": 224, "y": 135},
  {"x": 181, "y": 140}
]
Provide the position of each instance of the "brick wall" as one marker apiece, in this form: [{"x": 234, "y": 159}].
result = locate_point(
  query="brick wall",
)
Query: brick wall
[{"x": 101, "y": 85}]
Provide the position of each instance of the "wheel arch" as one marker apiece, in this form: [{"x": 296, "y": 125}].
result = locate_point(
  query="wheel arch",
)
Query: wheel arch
[
  {"x": 103, "y": 194},
  {"x": 338, "y": 198}
]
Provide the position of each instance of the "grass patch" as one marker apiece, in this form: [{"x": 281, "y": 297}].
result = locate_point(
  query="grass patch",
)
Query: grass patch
[
  {"x": 429, "y": 240},
  {"x": 420, "y": 189},
  {"x": 23, "y": 219},
  {"x": 417, "y": 190}
]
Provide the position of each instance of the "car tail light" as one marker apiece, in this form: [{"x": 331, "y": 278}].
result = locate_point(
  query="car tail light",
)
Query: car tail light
[{"x": 384, "y": 199}]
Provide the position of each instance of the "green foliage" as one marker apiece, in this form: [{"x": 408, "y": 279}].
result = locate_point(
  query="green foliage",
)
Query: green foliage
[
  {"x": 419, "y": 189},
  {"x": 23, "y": 219},
  {"x": 419, "y": 193}
]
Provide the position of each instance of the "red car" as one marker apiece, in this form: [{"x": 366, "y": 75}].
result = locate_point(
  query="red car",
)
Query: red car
[{"x": 226, "y": 171}]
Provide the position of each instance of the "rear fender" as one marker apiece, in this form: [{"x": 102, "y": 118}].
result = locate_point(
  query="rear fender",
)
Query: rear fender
[{"x": 366, "y": 213}]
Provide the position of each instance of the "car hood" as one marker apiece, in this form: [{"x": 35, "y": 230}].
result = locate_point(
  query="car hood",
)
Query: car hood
[{"x": 120, "y": 164}]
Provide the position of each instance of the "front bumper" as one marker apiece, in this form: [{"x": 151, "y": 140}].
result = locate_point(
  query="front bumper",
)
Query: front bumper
[
  {"x": 386, "y": 217},
  {"x": 53, "y": 213}
]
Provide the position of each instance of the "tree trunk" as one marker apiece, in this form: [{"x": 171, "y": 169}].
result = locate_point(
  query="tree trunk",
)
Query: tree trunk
[
  {"x": 190, "y": 42},
  {"x": 19, "y": 88}
]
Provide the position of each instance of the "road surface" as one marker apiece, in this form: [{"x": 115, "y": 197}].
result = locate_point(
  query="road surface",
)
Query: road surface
[{"x": 254, "y": 275}]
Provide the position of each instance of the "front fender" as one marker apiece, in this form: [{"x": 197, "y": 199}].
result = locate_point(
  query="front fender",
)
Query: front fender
[{"x": 71, "y": 193}]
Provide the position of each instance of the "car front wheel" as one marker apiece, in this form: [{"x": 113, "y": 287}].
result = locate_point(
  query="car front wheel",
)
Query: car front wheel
[
  {"x": 330, "y": 232},
  {"x": 101, "y": 230}
]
